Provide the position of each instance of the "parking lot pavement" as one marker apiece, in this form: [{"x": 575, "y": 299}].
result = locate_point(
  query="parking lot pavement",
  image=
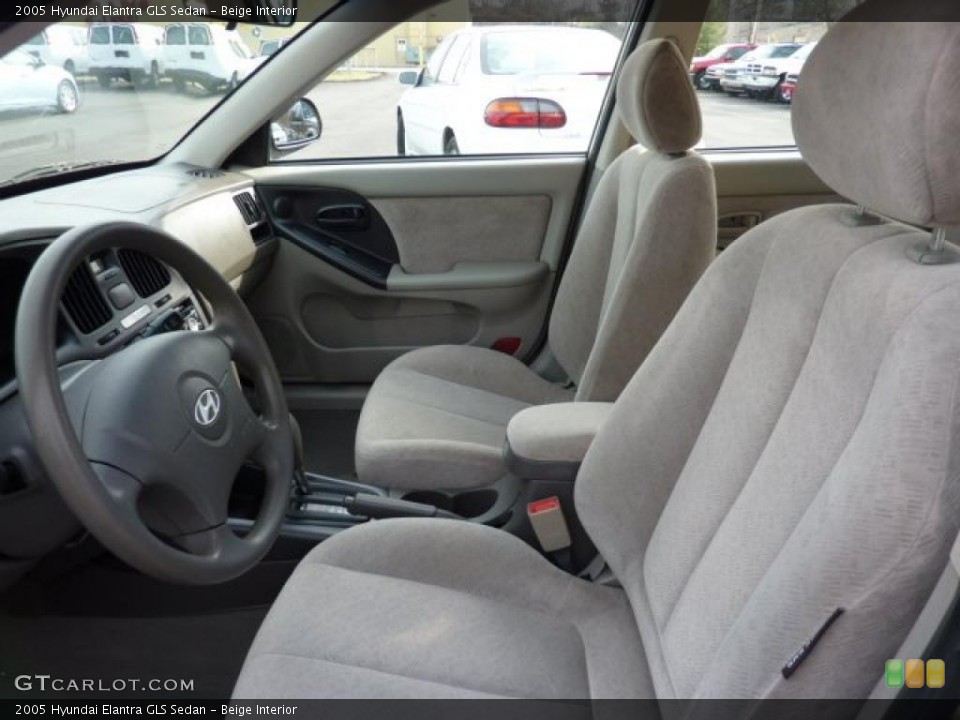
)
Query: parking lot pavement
[
  {"x": 359, "y": 120},
  {"x": 736, "y": 122}
]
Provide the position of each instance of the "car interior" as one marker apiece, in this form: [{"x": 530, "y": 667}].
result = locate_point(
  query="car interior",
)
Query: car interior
[{"x": 649, "y": 421}]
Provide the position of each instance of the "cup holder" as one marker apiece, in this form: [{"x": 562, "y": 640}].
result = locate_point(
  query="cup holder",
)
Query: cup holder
[
  {"x": 474, "y": 503},
  {"x": 469, "y": 504}
]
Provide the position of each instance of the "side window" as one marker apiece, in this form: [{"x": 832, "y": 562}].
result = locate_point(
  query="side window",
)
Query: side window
[
  {"x": 199, "y": 35},
  {"x": 485, "y": 89},
  {"x": 100, "y": 35},
  {"x": 746, "y": 69},
  {"x": 176, "y": 35},
  {"x": 123, "y": 35},
  {"x": 453, "y": 60}
]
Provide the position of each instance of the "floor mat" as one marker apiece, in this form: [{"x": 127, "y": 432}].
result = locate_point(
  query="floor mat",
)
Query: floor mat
[{"x": 205, "y": 649}]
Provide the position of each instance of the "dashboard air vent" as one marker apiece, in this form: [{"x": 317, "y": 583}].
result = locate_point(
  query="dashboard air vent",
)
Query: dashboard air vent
[
  {"x": 84, "y": 303},
  {"x": 148, "y": 276},
  {"x": 205, "y": 173},
  {"x": 249, "y": 208}
]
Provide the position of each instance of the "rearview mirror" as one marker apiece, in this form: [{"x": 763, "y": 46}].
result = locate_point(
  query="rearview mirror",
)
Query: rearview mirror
[
  {"x": 410, "y": 77},
  {"x": 296, "y": 128},
  {"x": 260, "y": 12}
]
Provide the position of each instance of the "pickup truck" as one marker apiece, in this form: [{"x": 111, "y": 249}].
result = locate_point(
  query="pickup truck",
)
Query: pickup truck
[
  {"x": 765, "y": 78},
  {"x": 758, "y": 72}
]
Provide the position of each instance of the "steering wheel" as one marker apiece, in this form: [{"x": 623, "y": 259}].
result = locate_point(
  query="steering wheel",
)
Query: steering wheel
[{"x": 145, "y": 444}]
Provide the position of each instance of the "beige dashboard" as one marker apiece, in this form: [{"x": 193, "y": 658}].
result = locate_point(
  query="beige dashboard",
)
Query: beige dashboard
[{"x": 194, "y": 205}]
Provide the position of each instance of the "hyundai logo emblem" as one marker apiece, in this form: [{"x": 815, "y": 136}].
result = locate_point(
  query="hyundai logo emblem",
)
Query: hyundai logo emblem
[{"x": 207, "y": 409}]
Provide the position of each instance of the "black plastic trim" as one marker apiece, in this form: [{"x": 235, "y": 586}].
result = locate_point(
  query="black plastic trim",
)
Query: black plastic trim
[{"x": 364, "y": 249}]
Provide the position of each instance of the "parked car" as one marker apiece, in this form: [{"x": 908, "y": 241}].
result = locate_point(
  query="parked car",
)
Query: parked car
[
  {"x": 792, "y": 69},
  {"x": 734, "y": 80},
  {"x": 713, "y": 75},
  {"x": 61, "y": 46},
  {"x": 728, "y": 53},
  {"x": 507, "y": 89},
  {"x": 26, "y": 82},
  {"x": 763, "y": 78},
  {"x": 788, "y": 87},
  {"x": 126, "y": 51},
  {"x": 208, "y": 55}
]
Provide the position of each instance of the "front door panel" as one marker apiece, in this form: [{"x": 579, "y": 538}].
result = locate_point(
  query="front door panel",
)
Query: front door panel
[{"x": 378, "y": 259}]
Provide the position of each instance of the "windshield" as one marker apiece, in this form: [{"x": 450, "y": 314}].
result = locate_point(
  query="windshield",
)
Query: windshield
[
  {"x": 804, "y": 52},
  {"x": 101, "y": 93}
]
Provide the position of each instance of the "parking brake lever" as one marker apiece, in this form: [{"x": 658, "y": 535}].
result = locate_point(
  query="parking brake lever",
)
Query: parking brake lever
[
  {"x": 300, "y": 485},
  {"x": 377, "y": 507}
]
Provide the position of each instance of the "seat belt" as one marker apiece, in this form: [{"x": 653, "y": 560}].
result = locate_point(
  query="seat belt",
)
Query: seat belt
[
  {"x": 598, "y": 572},
  {"x": 921, "y": 635}
]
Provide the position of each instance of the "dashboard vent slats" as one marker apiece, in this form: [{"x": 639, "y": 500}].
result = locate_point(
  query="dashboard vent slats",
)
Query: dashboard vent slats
[
  {"x": 84, "y": 303},
  {"x": 147, "y": 275},
  {"x": 249, "y": 208}
]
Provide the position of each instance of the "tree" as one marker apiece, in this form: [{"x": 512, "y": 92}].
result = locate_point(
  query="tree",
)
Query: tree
[{"x": 711, "y": 35}]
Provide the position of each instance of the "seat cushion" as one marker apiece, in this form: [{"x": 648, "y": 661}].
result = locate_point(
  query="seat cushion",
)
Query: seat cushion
[
  {"x": 436, "y": 418},
  {"x": 442, "y": 609}
]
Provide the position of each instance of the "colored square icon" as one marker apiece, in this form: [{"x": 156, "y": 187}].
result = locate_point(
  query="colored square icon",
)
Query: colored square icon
[
  {"x": 894, "y": 673},
  {"x": 936, "y": 673},
  {"x": 914, "y": 673}
]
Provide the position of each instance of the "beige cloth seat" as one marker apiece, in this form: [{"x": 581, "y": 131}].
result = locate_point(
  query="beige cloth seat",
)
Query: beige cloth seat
[
  {"x": 437, "y": 417},
  {"x": 790, "y": 447}
]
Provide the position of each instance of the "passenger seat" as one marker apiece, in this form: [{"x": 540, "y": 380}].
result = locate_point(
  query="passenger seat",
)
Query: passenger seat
[{"x": 436, "y": 418}]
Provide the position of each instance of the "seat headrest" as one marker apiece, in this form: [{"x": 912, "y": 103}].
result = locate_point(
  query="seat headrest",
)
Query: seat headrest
[
  {"x": 877, "y": 112},
  {"x": 656, "y": 100}
]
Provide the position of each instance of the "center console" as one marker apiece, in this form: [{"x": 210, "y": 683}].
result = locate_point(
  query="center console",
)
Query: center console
[{"x": 542, "y": 456}]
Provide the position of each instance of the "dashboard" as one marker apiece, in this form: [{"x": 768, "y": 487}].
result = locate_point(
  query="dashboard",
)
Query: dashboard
[{"x": 112, "y": 299}]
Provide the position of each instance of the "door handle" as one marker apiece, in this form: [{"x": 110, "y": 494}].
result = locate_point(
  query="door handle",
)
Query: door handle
[{"x": 343, "y": 216}]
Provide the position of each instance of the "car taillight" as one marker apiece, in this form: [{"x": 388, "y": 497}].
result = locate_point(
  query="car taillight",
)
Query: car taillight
[{"x": 524, "y": 113}]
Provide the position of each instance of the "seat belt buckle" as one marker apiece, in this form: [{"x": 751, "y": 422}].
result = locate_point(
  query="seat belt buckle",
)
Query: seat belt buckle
[{"x": 549, "y": 525}]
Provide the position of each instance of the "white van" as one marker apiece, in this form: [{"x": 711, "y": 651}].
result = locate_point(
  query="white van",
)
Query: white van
[
  {"x": 63, "y": 46},
  {"x": 126, "y": 51},
  {"x": 208, "y": 55}
]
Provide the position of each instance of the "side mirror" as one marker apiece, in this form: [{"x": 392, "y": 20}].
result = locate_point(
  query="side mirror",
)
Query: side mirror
[
  {"x": 410, "y": 77},
  {"x": 36, "y": 62},
  {"x": 296, "y": 128}
]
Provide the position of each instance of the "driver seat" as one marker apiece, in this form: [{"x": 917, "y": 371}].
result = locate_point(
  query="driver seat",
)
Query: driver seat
[{"x": 786, "y": 461}]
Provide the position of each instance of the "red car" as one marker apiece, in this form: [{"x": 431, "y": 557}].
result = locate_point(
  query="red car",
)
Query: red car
[
  {"x": 788, "y": 87},
  {"x": 730, "y": 52}
]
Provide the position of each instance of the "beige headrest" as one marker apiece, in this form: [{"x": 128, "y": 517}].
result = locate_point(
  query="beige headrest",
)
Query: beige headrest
[
  {"x": 656, "y": 100},
  {"x": 877, "y": 112}
]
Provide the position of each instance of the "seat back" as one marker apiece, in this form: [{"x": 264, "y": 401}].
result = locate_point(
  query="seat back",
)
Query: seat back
[
  {"x": 649, "y": 232},
  {"x": 787, "y": 460}
]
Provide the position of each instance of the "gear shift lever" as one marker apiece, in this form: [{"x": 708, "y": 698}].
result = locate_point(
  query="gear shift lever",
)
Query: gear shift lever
[{"x": 300, "y": 485}]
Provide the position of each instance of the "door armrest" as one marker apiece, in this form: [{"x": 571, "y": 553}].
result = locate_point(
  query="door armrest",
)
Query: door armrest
[{"x": 548, "y": 442}]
